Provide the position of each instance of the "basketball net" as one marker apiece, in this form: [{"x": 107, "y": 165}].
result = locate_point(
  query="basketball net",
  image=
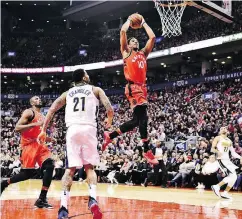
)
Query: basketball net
[{"x": 170, "y": 12}]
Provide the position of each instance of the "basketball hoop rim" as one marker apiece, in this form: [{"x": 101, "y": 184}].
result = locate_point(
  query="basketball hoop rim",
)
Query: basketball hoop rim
[{"x": 185, "y": 3}]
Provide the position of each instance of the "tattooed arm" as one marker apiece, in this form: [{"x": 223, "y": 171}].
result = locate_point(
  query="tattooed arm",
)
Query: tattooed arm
[
  {"x": 100, "y": 94},
  {"x": 58, "y": 103}
]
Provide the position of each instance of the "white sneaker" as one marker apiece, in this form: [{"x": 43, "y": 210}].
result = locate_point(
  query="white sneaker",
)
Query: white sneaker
[
  {"x": 216, "y": 190},
  {"x": 225, "y": 195},
  {"x": 202, "y": 186},
  {"x": 198, "y": 186}
]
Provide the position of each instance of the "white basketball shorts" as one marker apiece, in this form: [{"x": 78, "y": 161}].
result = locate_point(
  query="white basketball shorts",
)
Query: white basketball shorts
[
  {"x": 81, "y": 146},
  {"x": 227, "y": 166}
]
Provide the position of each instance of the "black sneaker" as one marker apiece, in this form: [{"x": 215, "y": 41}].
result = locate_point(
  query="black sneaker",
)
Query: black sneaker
[
  {"x": 4, "y": 185},
  {"x": 63, "y": 213},
  {"x": 43, "y": 204}
]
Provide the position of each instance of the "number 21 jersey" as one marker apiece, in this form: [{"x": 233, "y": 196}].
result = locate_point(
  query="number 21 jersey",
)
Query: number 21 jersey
[
  {"x": 81, "y": 106},
  {"x": 135, "y": 67}
]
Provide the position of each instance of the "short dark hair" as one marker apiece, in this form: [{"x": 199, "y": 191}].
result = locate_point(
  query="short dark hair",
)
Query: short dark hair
[
  {"x": 78, "y": 75},
  {"x": 130, "y": 39}
]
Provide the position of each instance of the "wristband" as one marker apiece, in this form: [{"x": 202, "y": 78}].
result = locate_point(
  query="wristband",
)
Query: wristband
[{"x": 142, "y": 24}]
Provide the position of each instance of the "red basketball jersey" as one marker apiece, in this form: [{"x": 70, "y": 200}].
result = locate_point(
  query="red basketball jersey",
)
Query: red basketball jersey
[
  {"x": 135, "y": 67},
  {"x": 30, "y": 135}
]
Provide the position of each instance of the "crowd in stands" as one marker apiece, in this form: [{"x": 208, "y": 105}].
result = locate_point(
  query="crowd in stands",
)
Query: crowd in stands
[
  {"x": 58, "y": 86},
  {"x": 63, "y": 48},
  {"x": 182, "y": 123},
  {"x": 176, "y": 116}
]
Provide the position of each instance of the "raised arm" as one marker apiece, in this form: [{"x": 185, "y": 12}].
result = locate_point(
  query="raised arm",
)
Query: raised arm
[
  {"x": 233, "y": 153},
  {"x": 151, "y": 42},
  {"x": 22, "y": 123},
  {"x": 56, "y": 105},
  {"x": 123, "y": 37},
  {"x": 105, "y": 101},
  {"x": 214, "y": 144}
]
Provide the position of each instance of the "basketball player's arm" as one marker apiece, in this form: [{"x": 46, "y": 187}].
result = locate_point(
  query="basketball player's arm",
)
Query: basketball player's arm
[
  {"x": 151, "y": 42},
  {"x": 123, "y": 38},
  {"x": 23, "y": 125},
  {"x": 105, "y": 101},
  {"x": 58, "y": 103},
  {"x": 214, "y": 145},
  {"x": 233, "y": 153}
]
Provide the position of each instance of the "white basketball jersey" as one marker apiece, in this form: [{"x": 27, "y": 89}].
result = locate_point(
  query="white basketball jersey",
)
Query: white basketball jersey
[
  {"x": 81, "y": 106},
  {"x": 223, "y": 147}
]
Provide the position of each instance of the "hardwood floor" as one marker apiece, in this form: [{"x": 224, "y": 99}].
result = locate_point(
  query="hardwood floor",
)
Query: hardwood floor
[{"x": 118, "y": 202}]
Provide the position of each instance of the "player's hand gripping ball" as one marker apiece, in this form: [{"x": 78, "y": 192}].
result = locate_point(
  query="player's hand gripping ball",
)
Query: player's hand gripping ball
[{"x": 136, "y": 21}]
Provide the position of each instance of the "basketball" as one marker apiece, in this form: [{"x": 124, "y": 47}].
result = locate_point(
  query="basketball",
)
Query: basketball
[{"x": 136, "y": 20}]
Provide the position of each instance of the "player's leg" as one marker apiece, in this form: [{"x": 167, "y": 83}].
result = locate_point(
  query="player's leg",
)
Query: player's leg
[
  {"x": 24, "y": 174},
  {"x": 92, "y": 187},
  {"x": 47, "y": 165},
  {"x": 125, "y": 127},
  {"x": 66, "y": 180},
  {"x": 230, "y": 179},
  {"x": 90, "y": 158},
  {"x": 143, "y": 125},
  {"x": 28, "y": 160},
  {"x": 238, "y": 182}
]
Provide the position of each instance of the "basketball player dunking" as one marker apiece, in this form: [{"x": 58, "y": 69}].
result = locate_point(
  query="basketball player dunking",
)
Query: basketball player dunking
[
  {"x": 82, "y": 103},
  {"x": 222, "y": 145},
  {"x": 29, "y": 125},
  {"x": 135, "y": 68}
]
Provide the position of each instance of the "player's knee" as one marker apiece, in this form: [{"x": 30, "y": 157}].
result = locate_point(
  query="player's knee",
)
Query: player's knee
[
  {"x": 144, "y": 121},
  {"x": 129, "y": 125},
  {"x": 135, "y": 121},
  {"x": 88, "y": 167},
  {"x": 28, "y": 173},
  {"x": 232, "y": 179},
  {"x": 48, "y": 164}
]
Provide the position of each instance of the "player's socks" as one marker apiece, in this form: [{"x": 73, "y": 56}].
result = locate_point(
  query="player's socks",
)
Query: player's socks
[
  {"x": 92, "y": 204},
  {"x": 92, "y": 191},
  {"x": 42, "y": 201},
  {"x": 64, "y": 198},
  {"x": 43, "y": 192}
]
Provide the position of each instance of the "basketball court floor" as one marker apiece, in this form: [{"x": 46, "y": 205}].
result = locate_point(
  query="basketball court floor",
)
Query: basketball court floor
[{"x": 120, "y": 202}]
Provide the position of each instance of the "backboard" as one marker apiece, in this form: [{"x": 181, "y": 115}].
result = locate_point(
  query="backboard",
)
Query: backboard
[{"x": 220, "y": 9}]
